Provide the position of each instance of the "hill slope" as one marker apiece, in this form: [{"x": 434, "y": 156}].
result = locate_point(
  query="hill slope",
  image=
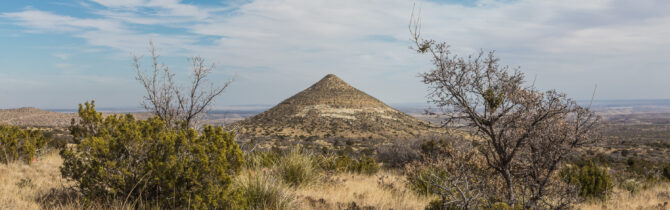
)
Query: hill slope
[
  {"x": 33, "y": 117},
  {"x": 28, "y": 116},
  {"x": 333, "y": 108}
]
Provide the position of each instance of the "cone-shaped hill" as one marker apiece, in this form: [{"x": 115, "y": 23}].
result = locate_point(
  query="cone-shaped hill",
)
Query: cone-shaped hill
[{"x": 333, "y": 108}]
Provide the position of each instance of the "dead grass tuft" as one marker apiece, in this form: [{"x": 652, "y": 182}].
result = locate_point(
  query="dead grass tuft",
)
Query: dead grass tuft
[
  {"x": 385, "y": 190},
  {"x": 657, "y": 197}
]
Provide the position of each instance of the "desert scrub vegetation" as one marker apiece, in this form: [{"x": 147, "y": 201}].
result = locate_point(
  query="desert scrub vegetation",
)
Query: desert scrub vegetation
[
  {"x": 632, "y": 174},
  {"x": 384, "y": 190},
  {"x": 594, "y": 182},
  {"x": 20, "y": 144},
  {"x": 454, "y": 171},
  {"x": 122, "y": 158},
  {"x": 344, "y": 163},
  {"x": 654, "y": 197},
  {"x": 259, "y": 189},
  {"x": 284, "y": 178},
  {"x": 297, "y": 168},
  {"x": 525, "y": 134}
]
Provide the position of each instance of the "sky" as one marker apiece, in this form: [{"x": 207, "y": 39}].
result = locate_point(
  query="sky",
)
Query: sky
[{"x": 56, "y": 54}]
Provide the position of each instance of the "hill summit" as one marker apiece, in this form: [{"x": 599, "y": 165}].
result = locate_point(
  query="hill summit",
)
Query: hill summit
[{"x": 333, "y": 108}]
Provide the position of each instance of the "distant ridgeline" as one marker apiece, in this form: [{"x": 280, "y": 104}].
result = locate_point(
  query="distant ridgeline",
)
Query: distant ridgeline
[{"x": 333, "y": 108}]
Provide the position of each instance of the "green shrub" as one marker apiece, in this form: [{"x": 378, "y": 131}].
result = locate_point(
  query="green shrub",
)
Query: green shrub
[
  {"x": 344, "y": 163},
  {"x": 261, "y": 190},
  {"x": 365, "y": 165},
  {"x": 123, "y": 158},
  {"x": 20, "y": 144},
  {"x": 297, "y": 168},
  {"x": 418, "y": 178},
  {"x": 261, "y": 159},
  {"x": 594, "y": 181},
  {"x": 630, "y": 185}
]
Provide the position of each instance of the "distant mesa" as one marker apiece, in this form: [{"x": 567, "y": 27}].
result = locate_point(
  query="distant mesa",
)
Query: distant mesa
[
  {"x": 27, "y": 110},
  {"x": 33, "y": 117},
  {"x": 333, "y": 108}
]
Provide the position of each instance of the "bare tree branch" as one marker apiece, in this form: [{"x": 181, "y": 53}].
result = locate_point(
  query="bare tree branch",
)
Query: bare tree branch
[
  {"x": 527, "y": 133},
  {"x": 175, "y": 105}
]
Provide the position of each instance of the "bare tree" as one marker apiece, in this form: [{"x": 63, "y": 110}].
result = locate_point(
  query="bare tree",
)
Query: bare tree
[
  {"x": 526, "y": 133},
  {"x": 175, "y": 105}
]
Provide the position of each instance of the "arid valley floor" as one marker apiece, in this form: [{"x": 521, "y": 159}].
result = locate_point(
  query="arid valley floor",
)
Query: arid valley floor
[{"x": 631, "y": 131}]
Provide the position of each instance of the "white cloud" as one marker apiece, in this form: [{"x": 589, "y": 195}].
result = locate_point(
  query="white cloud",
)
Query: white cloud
[
  {"x": 62, "y": 56},
  {"x": 46, "y": 21},
  {"x": 166, "y": 8},
  {"x": 121, "y": 3},
  {"x": 281, "y": 46}
]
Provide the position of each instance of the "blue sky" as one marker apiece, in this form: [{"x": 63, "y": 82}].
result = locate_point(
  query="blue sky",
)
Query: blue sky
[{"x": 56, "y": 54}]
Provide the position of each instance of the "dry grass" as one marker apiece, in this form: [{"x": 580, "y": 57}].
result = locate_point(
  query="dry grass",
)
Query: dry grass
[
  {"x": 23, "y": 186},
  {"x": 385, "y": 190},
  {"x": 657, "y": 197},
  {"x": 46, "y": 187},
  {"x": 40, "y": 186}
]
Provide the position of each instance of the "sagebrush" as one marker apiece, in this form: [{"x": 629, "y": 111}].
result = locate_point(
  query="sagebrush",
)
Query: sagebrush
[{"x": 120, "y": 157}]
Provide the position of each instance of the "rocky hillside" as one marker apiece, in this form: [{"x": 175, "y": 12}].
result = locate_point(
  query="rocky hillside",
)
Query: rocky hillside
[{"x": 333, "y": 108}]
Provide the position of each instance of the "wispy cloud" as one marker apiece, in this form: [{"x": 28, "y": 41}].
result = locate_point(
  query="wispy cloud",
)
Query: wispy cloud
[
  {"x": 62, "y": 56},
  {"x": 44, "y": 21},
  {"x": 271, "y": 42}
]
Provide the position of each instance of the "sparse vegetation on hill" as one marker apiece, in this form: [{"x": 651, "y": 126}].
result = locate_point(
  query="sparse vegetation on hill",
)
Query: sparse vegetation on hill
[
  {"x": 25, "y": 117},
  {"x": 45, "y": 120},
  {"x": 594, "y": 182},
  {"x": 333, "y": 108}
]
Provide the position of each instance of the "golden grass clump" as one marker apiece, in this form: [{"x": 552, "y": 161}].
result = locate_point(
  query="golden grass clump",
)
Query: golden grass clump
[
  {"x": 297, "y": 168},
  {"x": 385, "y": 190},
  {"x": 656, "y": 197},
  {"x": 261, "y": 190}
]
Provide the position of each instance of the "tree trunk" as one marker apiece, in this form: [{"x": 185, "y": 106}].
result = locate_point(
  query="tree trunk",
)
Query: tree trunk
[{"x": 510, "y": 186}]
